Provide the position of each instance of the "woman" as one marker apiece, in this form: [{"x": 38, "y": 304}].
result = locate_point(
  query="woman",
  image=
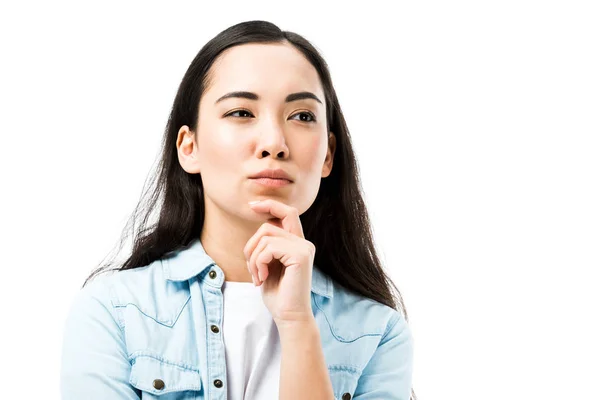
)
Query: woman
[{"x": 259, "y": 280}]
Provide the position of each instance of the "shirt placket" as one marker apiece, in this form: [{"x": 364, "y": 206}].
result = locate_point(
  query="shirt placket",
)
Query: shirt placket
[{"x": 207, "y": 305}]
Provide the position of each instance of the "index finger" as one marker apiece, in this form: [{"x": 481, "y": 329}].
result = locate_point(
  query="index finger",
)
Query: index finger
[{"x": 290, "y": 219}]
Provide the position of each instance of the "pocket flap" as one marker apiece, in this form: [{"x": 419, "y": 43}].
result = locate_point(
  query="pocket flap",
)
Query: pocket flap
[{"x": 157, "y": 376}]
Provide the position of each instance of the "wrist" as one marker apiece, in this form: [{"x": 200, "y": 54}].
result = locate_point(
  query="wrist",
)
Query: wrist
[{"x": 297, "y": 328}]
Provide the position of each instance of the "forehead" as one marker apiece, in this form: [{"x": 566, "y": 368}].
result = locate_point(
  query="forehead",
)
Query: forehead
[{"x": 271, "y": 70}]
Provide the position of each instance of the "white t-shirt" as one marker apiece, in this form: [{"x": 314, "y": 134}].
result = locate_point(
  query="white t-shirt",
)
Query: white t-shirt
[{"x": 252, "y": 346}]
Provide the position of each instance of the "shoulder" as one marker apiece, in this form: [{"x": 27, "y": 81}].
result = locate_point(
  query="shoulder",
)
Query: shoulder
[
  {"x": 113, "y": 285},
  {"x": 145, "y": 289}
]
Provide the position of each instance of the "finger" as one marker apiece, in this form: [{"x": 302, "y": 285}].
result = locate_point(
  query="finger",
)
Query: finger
[
  {"x": 271, "y": 256},
  {"x": 250, "y": 269},
  {"x": 263, "y": 258},
  {"x": 265, "y": 229},
  {"x": 289, "y": 216},
  {"x": 262, "y": 244}
]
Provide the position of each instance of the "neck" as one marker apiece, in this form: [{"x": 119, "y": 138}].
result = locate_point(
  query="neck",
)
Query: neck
[{"x": 224, "y": 237}]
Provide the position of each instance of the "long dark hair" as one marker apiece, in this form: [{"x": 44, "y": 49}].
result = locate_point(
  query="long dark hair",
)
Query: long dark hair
[{"x": 337, "y": 223}]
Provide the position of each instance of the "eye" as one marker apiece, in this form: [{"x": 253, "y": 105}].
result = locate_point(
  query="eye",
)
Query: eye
[
  {"x": 309, "y": 114},
  {"x": 238, "y": 111}
]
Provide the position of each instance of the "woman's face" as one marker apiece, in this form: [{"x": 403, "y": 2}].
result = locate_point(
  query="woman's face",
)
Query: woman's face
[{"x": 238, "y": 137}]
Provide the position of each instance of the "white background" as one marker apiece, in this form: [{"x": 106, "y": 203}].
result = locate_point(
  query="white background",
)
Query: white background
[{"x": 476, "y": 126}]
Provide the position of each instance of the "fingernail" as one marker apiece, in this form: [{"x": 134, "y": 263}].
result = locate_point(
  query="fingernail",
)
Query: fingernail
[
  {"x": 253, "y": 280},
  {"x": 254, "y": 202},
  {"x": 260, "y": 276}
]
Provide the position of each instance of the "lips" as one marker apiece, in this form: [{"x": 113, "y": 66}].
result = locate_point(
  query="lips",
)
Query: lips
[
  {"x": 270, "y": 182},
  {"x": 272, "y": 174}
]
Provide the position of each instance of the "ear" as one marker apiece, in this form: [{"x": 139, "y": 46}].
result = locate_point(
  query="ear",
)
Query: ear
[
  {"x": 187, "y": 150},
  {"x": 328, "y": 164}
]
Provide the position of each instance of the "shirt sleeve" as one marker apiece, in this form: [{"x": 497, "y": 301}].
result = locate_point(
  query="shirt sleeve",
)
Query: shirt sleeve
[
  {"x": 388, "y": 374},
  {"x": 94, "y": 363}
]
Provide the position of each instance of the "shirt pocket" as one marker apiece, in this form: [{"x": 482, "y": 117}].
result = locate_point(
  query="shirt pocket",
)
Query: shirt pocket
[
  {"x": 162, "y": 380},
  {"x": 344, "y": 382}
]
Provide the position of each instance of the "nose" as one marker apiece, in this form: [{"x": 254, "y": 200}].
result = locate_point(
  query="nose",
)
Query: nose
[{"x": 271, "y": 142}]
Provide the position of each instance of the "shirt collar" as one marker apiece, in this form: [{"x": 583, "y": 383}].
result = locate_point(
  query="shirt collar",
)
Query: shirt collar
[{"x": 186, "y": 263}]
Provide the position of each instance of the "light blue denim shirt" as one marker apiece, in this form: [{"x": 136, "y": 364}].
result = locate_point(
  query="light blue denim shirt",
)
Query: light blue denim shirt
[{"x": 126, "y": 329}]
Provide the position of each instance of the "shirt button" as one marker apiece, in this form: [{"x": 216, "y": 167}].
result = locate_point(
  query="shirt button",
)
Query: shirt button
[
  {"x": 346, "y": 396},
  {"x": 214, "y": 328},
  {"x": 218, "y": 383},
  {"x": 212, "y": 274},
  {"x": 158, "y": 384}
]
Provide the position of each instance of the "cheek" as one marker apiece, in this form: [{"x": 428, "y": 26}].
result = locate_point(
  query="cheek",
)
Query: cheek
[
  {"x": 221, "y": 159},
  {"x": 315, "y": 145},
  {"x": 314, "y": 153},
  {"x": 220, "y": 148}
]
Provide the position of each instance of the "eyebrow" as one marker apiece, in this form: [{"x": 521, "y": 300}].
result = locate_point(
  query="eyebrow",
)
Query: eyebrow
[{"x": 253, "y": 96}]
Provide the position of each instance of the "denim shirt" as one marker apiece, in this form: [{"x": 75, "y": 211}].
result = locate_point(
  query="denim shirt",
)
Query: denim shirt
[{"x": 128, "y": 330}]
